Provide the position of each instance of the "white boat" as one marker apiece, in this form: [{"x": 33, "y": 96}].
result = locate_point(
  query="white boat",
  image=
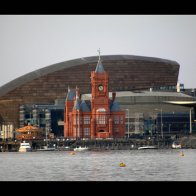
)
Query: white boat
[
  {"x": 176, "y": 146},
  {"x": 46, "y": 148},
  {"x": 25, "y": 147},
  {"x": 147, "y": 147},
  {"x": 81, "y": 148}
]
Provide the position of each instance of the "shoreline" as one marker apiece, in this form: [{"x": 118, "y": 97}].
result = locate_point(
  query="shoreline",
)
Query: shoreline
[{"x": 111, "y": 144}]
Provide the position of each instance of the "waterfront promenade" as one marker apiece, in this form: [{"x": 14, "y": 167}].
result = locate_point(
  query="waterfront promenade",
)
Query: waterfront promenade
[{"x": 187, "y": 141}]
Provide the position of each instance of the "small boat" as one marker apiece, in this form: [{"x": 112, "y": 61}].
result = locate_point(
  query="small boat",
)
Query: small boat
[
  {"x": 46, "y": 148},
  {"x": 66, "y": 148},
  {"x": 147, "y": 147},
  {"x": 176, "y": 146},
  {"x": 81, "y": 148},
  {"x": 25, "y": 147}
]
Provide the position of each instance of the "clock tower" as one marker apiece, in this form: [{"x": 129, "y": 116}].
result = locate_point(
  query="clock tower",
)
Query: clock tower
[
  {"x": 99, "y": 83},
  {"x": 100, "y": 102},
  {"x": 102, "y": 118}
]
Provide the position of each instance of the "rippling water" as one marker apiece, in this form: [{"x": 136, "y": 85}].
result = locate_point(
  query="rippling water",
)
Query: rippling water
[{"x": 141, "y": 165}]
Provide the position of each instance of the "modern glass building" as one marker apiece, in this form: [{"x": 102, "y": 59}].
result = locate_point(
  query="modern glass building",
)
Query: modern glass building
[{"x": 173, "y": 123}]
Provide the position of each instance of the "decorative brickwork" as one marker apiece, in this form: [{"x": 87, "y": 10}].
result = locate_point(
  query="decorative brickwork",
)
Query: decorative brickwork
[{"x": 103, "y": 119}]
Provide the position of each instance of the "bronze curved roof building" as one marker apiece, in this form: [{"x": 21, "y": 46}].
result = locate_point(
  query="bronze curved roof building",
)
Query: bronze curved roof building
[{"x": 44, "y": 86}]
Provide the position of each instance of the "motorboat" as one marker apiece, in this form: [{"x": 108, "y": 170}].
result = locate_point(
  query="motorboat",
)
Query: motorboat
[
  {"x": 64, "y": 148},
  {"x": 81, "y": 148},
  {"x": 25, "y": 147},
  {"x": 147, "y": 147},
  {"x": 46, "y": 148},
  {"x": 176, "y": 146}
]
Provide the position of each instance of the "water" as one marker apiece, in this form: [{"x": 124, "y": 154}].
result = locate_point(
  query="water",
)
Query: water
[{"x": 141, "y": 165}]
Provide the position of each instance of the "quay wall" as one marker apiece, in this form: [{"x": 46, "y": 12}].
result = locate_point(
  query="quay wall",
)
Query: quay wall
[{"x": 116, "y": 144}]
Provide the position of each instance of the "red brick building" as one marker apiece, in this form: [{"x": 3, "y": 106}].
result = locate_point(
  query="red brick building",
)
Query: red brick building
[{"x": 98, "y": 118}]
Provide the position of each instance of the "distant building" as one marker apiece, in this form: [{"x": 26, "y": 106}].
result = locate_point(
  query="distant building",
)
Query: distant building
[
  {"x": 99, "y": 118},
  {"x": 46, "y": 116},
  {"x": 142, "y": 84},
  {"x": 42, "y": 87},
  {"x": 6, "y": 131},
  {"x": 143, "y": 111}
]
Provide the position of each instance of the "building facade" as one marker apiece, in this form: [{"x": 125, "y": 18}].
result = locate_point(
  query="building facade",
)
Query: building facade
[
  {"x": 144, "y": 109},
  {"x": 44, "y": 86},
  {"x": 98, "y": 118},
  {"x": 49, "y": 117}
]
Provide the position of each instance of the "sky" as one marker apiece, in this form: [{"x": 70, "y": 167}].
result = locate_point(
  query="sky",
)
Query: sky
[{"x": 31, "y": 42}]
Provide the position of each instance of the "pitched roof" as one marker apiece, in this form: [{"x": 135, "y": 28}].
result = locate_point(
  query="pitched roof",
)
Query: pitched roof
[
  {"x": 84, "y": 107},
  {"x": 114, "y": 107},
  {"x": 70, "y": 95},
  {"x": 99, "y": 68}
]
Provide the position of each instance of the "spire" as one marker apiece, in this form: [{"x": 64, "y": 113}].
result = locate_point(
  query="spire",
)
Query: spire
[
  {"x": 99, "y": 68},
  {"x": 70, "y": 94},
  {"x": 99, "y": 51},
  {"x": 84, "y": 107}
]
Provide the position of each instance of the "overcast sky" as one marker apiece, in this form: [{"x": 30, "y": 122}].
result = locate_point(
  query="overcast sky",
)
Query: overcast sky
[{"x": 30, "y": 42}]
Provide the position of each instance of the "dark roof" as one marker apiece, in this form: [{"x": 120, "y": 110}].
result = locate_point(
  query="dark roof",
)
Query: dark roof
[
  {"x": 114, "y": 107},
  {"x": 84, "y": 107},
  {"x": 71, "y": 63},
  {"x": 70, "y": 95}
]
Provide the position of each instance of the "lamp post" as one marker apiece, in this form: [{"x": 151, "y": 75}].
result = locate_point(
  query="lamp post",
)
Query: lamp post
[
  {"x": 58, "y": 142},
  {"x": 169, "y": 128},
  {"x": 46, "y": 136},
  {"x": 161, "y": 121},
  {"x": 190, "y": 120},
  {"x": 128, "y": 121}
]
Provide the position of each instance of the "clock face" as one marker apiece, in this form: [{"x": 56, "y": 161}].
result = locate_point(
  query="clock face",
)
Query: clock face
[{"x": 100, "y": 87}]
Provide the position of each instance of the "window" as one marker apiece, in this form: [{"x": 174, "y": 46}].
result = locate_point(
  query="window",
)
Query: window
[
  {"x": 101, "y": 119},
  {"x": 42, "y": 115},
  {"x": 86, "y": 120},
  {"x": 116, "y": 119},
  {"x": 121, "y": 120},
  {"x": 86, "y": 132},
  {"x": 27, "y": 115}
]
